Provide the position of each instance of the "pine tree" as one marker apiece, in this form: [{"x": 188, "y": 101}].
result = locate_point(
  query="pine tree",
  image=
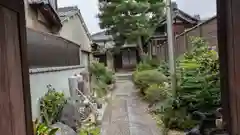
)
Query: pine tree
[{"x": 130, "y": 20}]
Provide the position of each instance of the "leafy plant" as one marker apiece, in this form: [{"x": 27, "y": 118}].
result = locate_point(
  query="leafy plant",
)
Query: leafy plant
[
  {"x": 43, "y": 129},
  {"x": 177, "y": 119},
  {"x": 153, "y": 62},
  {"x": 90, "y": 129},
  {"x": 148, "y": 64},
  {"x": 164, "y": 68},
  {"x": 145, "y": 78},
  {"x": 143, "y": 66},
  {"x": 100, "y": 88},
  {"x": 199, "y": 81},
  {"x": 99, "y": 71},
  {"x": 199, "y": 86},
  {"x": 157, "y": 92},
  {"x": 51, "y": 106}
]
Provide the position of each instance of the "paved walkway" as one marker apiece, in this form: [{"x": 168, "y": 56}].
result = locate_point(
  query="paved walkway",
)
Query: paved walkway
[{"x": 126, "y": 114}]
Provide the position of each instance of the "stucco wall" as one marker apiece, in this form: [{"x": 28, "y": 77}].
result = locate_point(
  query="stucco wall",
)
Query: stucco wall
[
  {"x": 57, "y": 77},
  {"x": 32, "y": 19},
  {"x": 73, "y": 30}
]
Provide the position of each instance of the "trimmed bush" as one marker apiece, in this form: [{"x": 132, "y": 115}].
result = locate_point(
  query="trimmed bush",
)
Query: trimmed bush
[
  {"x": 157, "y": 92},
  {"x": 143, "y": 66},
  {"x": 99, "y": 71},
  {"x": 146, "y": 78}
]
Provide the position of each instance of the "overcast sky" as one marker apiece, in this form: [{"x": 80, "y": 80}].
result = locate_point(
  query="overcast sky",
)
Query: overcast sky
[{"x": 89, "y": 9}]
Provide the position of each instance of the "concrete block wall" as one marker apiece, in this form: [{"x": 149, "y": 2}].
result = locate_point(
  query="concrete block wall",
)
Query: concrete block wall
[{"x": 56, "y": 76}]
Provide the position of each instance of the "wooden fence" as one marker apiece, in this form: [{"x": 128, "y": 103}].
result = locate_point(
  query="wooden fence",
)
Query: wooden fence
[{"x": 206, "y": 30}]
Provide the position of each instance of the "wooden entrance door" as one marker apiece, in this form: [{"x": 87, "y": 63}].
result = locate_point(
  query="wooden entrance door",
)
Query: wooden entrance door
[{"x": 15, "y": 105}]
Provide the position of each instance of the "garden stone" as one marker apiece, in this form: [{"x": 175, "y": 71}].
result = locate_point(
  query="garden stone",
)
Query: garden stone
[
  {"x": 74, "y": 113},
  {"x": 70, "y": 116},
  {"x": 63, "y": 129}
]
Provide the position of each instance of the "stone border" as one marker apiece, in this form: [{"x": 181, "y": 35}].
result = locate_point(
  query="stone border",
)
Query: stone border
[{"x": 53, "y": 69}]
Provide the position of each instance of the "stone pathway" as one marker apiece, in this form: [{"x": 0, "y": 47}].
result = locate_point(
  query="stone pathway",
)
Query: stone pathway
[{"x": 126, "y": 114}]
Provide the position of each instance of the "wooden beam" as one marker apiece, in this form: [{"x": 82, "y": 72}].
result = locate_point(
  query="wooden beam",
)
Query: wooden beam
[{"x": 228, "y": 41}]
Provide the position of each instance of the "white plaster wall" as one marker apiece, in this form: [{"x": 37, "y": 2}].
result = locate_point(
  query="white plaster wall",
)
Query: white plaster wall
[
  {"x": 84, "y": 59},
  {"x": 73, "y": 30},
  {"x": 39, "y": 81}
]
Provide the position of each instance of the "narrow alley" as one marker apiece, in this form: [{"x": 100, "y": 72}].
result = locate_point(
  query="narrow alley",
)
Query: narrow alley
[{"x": 126, "y": 114}]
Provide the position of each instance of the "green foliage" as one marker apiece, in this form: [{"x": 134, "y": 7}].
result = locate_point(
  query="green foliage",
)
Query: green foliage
[
  {"x": 177, "y": 119},
  {"x": 100, "y": 88},
  {"x": 157, "y": 92},
  {"x": 199, "y": 86},
  {"x": 43, "y": 129},
  {"x": 143, "y": 66},
  {"x": 153, "y": 62},
  {"x": 51, "y": 106},
  {"x": 127, "y": 20},
  {"x": 144, "y": 79},
  {"x": 101, "y": 78},
  {"x": 164, "y": 68},
  {"x": 199, "y": 81},
  {"x": 99, "y": 71},
  {"x": 90, "y": 129}
]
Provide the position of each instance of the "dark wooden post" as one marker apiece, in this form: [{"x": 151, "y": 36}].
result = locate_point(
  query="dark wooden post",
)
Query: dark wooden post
[
  {"x": 229, "y": 52},
  {"x": 15, "y": 103}
]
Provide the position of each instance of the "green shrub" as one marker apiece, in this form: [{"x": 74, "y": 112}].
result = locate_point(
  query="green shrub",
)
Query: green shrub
[
  {"x": 177, "y": 119},
  {"x": 99, "y": 71},
  {"x": 157, "y": 92},
  {"x": 153, "y": 62},
  {"x": 199, "y": 81},
  {"x": 199, "y": 86},
  {"x": 143, "y": 66},
  {"x": 43, "y": 129},
  {"x": 164, "y": 68},
  {"x": 107, "y": 77},
  {"x": 100, "y": 88},
  {"x": 148, "y": 64},
  {"x": 90, "y": 129},
  {"x": 145, "y": 78},
  {"x": 51, "y": 105}
]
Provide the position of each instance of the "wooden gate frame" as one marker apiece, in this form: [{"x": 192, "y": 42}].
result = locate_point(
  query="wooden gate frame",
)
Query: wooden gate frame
[
  {"x": 18, "y": 7},
  {"x": 229, "y": 53}
]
